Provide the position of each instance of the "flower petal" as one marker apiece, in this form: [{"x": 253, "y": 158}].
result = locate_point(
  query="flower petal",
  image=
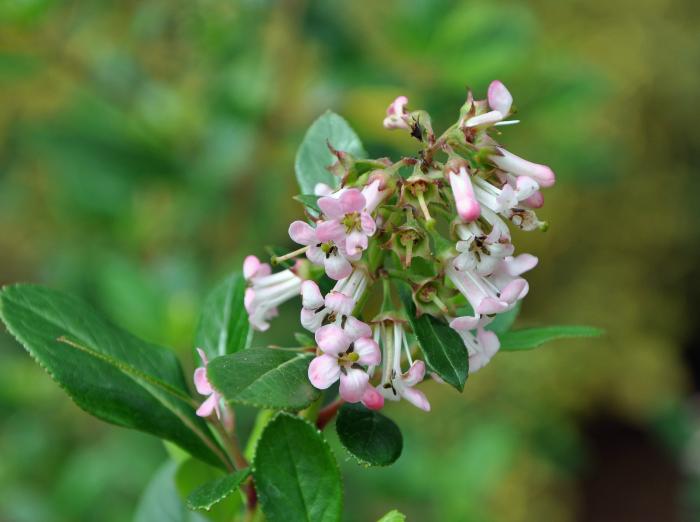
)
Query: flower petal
[
  {"x": 465, "y": 200},
  {"x": 250, "y": 266},
  {"x": 355, "y": 328},
  {"x": 332, "y": 339},
  {"x": 324, "y": 371},
  {"x": 330, "y": 207},
  {"x": 337, "y": 267},
  {"x": 352, "y": 200},
  {"x": 311, "y": 297},
  {"x": 372, "y": 399},
  {"x": 302, "y": 233},
  {"x": 353, "y": 384},
  {"x": 208, "y": 406},
  {"x": 201, "y": 382},
  {"x": 415, "y": 374},
  {"x": 368, "y": 350},
  {"x": 330, "y": 230},
  {"x": 499, "y": 98},
  {"x": 417, "y": 398},
  {"x": 339, "y": 303}
]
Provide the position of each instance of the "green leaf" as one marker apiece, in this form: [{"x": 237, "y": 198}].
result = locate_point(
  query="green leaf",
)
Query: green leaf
[
  {"x": 313, "y": 156},
  {"x": 504, "y": 322},
  {"x": 443, "y": 348},
  {"x": 529, "y": 338},
  {"x": 264, "y": 378},
  {"x": 369, "y": 436},
  {"x": 161, "y": 502},
  {"x": 393, "y": 516},
  {"x": 296, "y": 475},
  {"x": 107, "y": 371},
  {"x": 223, "y": 324},
  {"x": 309, "y": 201},
  {"x": 192, "y": 474},
  {"x": 205, "y": 496}
]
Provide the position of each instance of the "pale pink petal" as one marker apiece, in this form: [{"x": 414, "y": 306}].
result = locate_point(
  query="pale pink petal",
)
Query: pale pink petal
[
  {"x": 316, "y": 255},
  {"x": 489, "y": 342},
  {"x": 331, "y": 207},
  {"x": 397, "y": 107},
  {"x": 534, "y": 201},
  {"x": 506, "y": 199},
  {"x": 525, "y": 187},
  {"x": 208, "y": 406},
  {"x": 499, "y": 98},
  {"x": 339, "y": 303},
  {"x": 465, "y": 200},
  {"x": 518, "y": 265},
  {"x": 201, "y": 382},
  {"x": 354, "y": 328},
  {"x": 355, "y": 243},
  {"x": 332, "y": 339},
  {"x": 368, "y": 350},
  {"x": 324, "y": 371},
  {"x": 485, "y": 119},
  {"x": 369, "y": 227},
  {"x": 352, "y": 200},
  {"x": 249, "y": 301},
  {"x": 250, "y": 266},
  {"x": 312, "y": 320},
  {"x": 522, "y": 167},
  {"x": 417, "y": 398},
  {"x": 337, "y": 267},
  {"x": 464, "y": 323},
  {"x": 302, "y": 233},
  {"x": 490, "y": 305},
  {"x": 372, "y": 399},
  {"x": 353, "y": 384},
  {"x": 415, "y": 374},
  {"x": 321, "y": 189},
  {"x": 512, "y": 290},
  {"x": 331, "y": 230},
  {"x": 372, "y": 195},
  {"x": 311, "y": 297}
]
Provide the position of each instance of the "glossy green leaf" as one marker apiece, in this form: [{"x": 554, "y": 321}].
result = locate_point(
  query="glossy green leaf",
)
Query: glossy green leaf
[
  {"x": 442, "y": 347},
  {"x": 393, "y": 516},
  {"x": 309, "y": 201},
  {"x": 193, "y": 474},
  {"x": 264, "y": 378},
  {"x": 529, "y": 338},
  {"x": 296, "y": 475},
  {"x": 223, "y": 325},
  {"x": 205, "y": 496},
  {"x": 313, "y": 157},
  {"x": 161, "y": 502},
  {"x": 369, "y": 436},
  {"x": 107, "y": 371}
]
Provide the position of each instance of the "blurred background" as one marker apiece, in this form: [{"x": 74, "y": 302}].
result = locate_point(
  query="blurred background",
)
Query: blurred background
[{"x": 146, "y": 147}]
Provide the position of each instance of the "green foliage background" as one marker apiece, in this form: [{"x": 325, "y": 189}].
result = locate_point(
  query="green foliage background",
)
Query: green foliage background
[{"x": 146, "y": 147}]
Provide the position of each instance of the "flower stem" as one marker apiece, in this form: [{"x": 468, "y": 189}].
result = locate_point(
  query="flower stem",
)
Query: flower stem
[
  {"x": 328, "y": 412},
  {"x": 278, "y": 259}
]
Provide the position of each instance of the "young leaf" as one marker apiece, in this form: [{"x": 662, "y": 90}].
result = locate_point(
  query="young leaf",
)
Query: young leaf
[
  {"x": 107, "y": 371},
  {"x": 443, "y": 348},
  {"x": 264, "y": 378},
  {"x": 296, "y": 475},
  {"x": 223, "y": 324},
  {"x": 192, "y": 474},
  {"x": 205, "y": 496},
  {"x": 369, "y": 436},
  {"x": 393, "y": 516},
  {"x": 309, "y": 201},
  {"x": 313, "y": 156},
  {"x": 529, "y": 338},
  {"x": 161, "y": 502}
]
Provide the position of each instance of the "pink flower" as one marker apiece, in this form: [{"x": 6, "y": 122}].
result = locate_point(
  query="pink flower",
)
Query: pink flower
[
  {"x": 500, "y": 102},
  {"x": 396, "y": 114},
  {"x": 266, "y": 291},
  {"x": 204, "y": 387},
  {"x": 348, "y": 223},
  {"x": 487, "y": 296},
  {"x": 482, "y": 345},
  {"x": 326, "y": 253},
  {"x": 342, "y": 357},
  {"x": 465, "y": 200},
  {"x": 478, "y": 251}
]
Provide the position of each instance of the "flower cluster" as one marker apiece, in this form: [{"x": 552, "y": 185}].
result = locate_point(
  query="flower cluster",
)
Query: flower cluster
[{"x": 436, "y": 224}]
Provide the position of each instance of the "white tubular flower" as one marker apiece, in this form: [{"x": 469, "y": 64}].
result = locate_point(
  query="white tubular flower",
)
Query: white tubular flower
[
  {"x": 396, "y": 385},
  {"x": 396, "y": 114},
  {"x": 463, "y": 191},
  {"x": 267, "y": 291},
  {"x": 509, "y": 162},
  {"x": 338, "y": 304},
  {"x": 478, "y": 251},
  {"x": 487, "y": 296},
  {"x": 481, "y": 344}
]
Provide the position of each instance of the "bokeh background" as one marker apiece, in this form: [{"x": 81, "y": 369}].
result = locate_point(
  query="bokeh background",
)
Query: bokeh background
[{"x": 147, "y": 146}]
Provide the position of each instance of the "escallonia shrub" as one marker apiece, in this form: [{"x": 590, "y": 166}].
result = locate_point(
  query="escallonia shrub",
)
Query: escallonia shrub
[{"x": 404, "y": 269}]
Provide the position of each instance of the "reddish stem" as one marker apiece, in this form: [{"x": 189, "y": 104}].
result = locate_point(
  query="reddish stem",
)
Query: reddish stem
[{"x": 326, "y": 414}]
